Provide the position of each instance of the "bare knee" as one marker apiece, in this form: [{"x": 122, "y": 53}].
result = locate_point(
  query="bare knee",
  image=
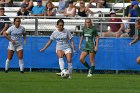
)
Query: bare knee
[
  {"x": 82, "y": 60},
  {"x": 138, "y": 60},
  {"x": 9, "y": 58}
]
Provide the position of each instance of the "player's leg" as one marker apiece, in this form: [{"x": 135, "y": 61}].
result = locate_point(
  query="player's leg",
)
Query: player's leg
[
  {"x": 7, "y": 63},
  {"x": 68, "y": 54},
  {"x": 106, "y": 34},
  {"x": 92, "y": 61},
  {"x": 82, "y": 59},
  {"x": 60, "y": 55},
  {"x": 138, "y": 60},
  {"x": 21, "y": 62}
]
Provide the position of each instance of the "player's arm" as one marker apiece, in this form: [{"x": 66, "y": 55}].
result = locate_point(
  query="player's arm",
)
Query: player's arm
[
  {"x": 24, "y": 36},
  {"x": 47, "y": 45},
  {"x": 97, "y": 43},
  {"x": 5, "y": 34},
  {"x": 81, "y": 40},
  {"x": 135, "y": 40},
  {"x": 72, "y": 44},
  {"x": 5, "y": 28},
  {"x": 121, "y": 28}
]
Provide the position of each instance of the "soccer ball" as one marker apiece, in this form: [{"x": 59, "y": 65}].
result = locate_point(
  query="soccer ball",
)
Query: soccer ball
[{"x": 65, "y": 73}]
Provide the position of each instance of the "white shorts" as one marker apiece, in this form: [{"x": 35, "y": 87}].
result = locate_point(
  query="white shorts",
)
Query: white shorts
[
  {"x": 66, "y": 51},
  {"x": 15, "y": 48}
]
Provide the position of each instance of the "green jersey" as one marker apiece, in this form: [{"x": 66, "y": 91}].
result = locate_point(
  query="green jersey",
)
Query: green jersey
[
  {"x": 138, "y": 32},
  {"x": 90, "y": 35}
]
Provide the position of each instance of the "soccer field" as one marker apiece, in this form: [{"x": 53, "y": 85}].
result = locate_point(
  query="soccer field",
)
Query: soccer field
[{"x": 48, "y": 82}]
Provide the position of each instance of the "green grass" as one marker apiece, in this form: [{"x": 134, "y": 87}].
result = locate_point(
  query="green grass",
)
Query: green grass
[{"x": 47, "y": 82}]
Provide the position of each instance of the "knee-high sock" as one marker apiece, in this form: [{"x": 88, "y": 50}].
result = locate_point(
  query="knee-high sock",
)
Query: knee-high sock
[
  {"x": 61, "y": 63},
  {"x": 92, "y": 69},
  {"x": 21, "y": 64},
  {"x": 7, "y": 63},
  {"x": 86, "y": 65},
  {"x": 70, "y": 68}
]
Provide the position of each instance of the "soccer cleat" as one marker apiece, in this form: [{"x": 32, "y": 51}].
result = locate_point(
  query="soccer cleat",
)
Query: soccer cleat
[
  {"x": 6, "y": 71},
  {"x": 89, "y": 75},
  {"x": 89, "y": 71},
  {"x": 21, "y": 72},
  {"x": 58, "y": 74},
  {"x": 69, "y": 77}
]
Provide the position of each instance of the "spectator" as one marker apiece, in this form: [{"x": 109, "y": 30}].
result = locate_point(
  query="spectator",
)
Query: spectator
[
  {"x": 44, "y": 2},
  {"x": 6, "y": 3},
  {"x": 128, "y": 8},
  {"x": 23, "y": 11},
  {"x": 100, "y": 3},
  {"x": 62, "y": 5},
  {"x": 70, "y": 11},
  {"x": 126, "y": 29},
  {"x": 29, "y": 4},
  {"x": 133, "y": 13},
  {"x": 83, "y": 11},
  {"x": 116, "y": 29},
  {"x": 38, "y": 10},
  {"x": 50, "y": 10},
  {"x": 3, "y": 25},
  {"x": 90, "y": 5}
]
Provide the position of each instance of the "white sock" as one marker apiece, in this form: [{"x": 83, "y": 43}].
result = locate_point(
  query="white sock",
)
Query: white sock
[
  {"x": 21, "y": 64},
  {"x": 61, "y": 63},
  {"x": 7, "y": 63},
  {"x": 70, "y": 68}
]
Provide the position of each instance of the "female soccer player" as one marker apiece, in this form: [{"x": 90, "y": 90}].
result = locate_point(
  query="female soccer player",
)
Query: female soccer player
[
  {"x": 91, "y": 46},
  {"x": 62, "y": 36},
  {"x": 15, "y": 43},
  {"x": 137, "y": 26}
]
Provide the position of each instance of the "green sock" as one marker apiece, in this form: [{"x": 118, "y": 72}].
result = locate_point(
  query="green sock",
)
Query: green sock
[
  {"x": 92, "y": 69},
  {"x": 86, "y": 65}
]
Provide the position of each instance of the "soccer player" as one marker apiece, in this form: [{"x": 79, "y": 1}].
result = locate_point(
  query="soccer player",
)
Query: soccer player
[
  {"x": 91, "y": 46},
  {"x": 137, "y": 26},
  {"x": 62, "y": 36},
  {"x": 15, "y": 43}
]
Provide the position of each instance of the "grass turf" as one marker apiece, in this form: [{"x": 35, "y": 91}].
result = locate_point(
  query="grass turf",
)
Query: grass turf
[{"x": 48, "y": 82}]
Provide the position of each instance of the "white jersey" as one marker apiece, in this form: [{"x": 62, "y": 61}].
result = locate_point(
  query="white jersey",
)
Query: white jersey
[
  {"x": 16, "y": 34},
  {"x": 61, "y": 39}
]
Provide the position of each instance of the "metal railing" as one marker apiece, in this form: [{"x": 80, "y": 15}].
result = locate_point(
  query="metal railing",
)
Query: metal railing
[{"x": 36, "y": 26}]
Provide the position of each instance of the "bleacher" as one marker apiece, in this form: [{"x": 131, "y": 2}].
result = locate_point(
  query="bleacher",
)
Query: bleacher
[{"x": 74, "y": 25}]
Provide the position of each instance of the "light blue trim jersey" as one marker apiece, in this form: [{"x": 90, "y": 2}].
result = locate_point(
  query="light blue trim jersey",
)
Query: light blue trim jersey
[
  {"x": 16, "y": 34},
  {"x": 61, "y": 39}
]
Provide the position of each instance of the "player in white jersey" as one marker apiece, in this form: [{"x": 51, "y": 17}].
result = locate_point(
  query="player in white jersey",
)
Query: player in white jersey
[
  {"x": 15, "y": 43},
  {"x": 62, "y": 47}
]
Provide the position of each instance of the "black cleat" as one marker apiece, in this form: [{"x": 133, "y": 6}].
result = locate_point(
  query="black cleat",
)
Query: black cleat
[
  {"x": 6, "y": 71},
  {"x": 21, "y": 72}
]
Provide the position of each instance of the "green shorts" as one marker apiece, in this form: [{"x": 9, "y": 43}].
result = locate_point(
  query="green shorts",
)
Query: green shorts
[{"x": 89, "y": 50}]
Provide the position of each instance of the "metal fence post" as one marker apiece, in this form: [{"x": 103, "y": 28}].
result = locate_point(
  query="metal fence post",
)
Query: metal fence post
[{"x": 36, "y": 26}]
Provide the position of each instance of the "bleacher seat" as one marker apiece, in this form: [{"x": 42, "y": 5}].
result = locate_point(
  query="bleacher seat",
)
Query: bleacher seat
[
  {"x": 118, "y": 5},
  {"x": 11, "y": 9}
]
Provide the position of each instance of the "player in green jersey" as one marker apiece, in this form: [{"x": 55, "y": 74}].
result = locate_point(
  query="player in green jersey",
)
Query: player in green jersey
[
  {"x": 137, "y": 26},
  {"x": 91, "y": 45}
]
